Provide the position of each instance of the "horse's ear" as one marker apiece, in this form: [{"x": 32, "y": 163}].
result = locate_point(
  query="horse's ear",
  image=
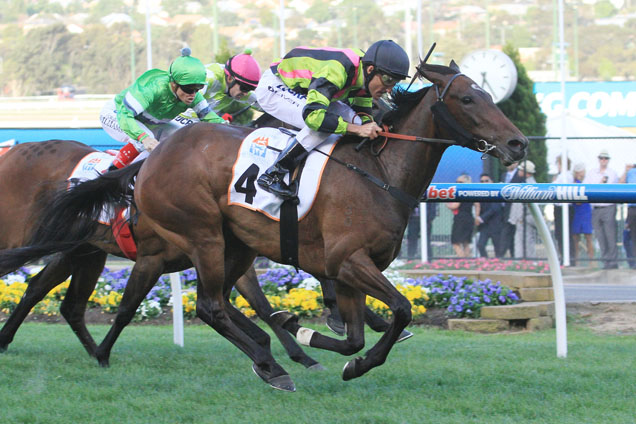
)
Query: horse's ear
[{"x": 454, "y": 66}]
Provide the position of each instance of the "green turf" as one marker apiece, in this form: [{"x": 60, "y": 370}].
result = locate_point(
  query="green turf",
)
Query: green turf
[{"x": 436, "y": 377}]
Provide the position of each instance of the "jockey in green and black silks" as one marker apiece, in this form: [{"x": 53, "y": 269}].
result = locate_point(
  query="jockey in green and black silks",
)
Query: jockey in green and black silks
[{"x": 321, "y": 91}]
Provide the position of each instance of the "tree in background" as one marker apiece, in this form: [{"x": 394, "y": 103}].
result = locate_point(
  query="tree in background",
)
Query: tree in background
[{"x": 523, "y": 110}]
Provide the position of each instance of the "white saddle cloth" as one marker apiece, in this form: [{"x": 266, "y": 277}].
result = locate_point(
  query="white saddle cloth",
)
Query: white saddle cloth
[
  {"x": 259, "y": 150},
  {"x": 90, "y": 167}
]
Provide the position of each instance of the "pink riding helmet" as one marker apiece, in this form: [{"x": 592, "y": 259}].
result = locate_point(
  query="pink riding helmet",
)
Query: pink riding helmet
[{"x": 244, "y": 68}]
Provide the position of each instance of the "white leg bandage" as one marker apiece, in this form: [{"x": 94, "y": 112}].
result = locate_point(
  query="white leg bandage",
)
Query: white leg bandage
[{"x": 304, "y": 336}]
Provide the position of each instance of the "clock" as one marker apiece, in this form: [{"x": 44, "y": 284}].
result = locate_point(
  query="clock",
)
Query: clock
[{"x": 493, "y": 70}]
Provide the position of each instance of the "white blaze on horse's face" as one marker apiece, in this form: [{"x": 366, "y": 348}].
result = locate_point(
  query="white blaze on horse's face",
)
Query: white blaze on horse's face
[{"x": 474, "y": 86}]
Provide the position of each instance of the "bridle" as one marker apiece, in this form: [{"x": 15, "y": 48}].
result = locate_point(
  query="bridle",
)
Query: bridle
[{"x": 445, "y": 119}]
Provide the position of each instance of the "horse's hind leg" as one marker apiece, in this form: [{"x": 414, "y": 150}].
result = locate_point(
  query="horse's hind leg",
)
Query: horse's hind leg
[
  {"x": 143, "y": 277},
  {"x": 87, "y": 268},
  {"x": 248, "y": 286},
  {"x": 54, "y": 273},
  {"x": 335, "y": 321}
]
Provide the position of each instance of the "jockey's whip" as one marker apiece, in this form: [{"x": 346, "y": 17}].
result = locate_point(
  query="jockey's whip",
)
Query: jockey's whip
[{"x": 243, "y": 110}]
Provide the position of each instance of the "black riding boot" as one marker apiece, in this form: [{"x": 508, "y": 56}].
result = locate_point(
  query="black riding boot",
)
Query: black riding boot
[{"x": 272, "y": 179}]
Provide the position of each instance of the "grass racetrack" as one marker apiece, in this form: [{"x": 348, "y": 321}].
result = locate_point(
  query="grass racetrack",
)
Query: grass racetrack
[{"x": 435, "y": 377}]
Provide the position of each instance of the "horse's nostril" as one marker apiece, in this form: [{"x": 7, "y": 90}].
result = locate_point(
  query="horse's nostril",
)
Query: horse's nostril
[{"x": 516, "y": 144}]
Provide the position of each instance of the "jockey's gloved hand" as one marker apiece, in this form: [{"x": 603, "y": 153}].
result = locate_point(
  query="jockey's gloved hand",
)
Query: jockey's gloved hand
[
  {"x": 228, "y": 117},
  {"x": 149, "y": 143}
]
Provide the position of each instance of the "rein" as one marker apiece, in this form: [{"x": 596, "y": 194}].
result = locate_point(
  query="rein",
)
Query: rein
[
  {"x": 443, "y": 117},
  {"x": 397, "y": 193}
]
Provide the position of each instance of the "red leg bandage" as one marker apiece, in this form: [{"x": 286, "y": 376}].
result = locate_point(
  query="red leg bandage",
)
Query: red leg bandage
[{"x": 126, "y": 155}]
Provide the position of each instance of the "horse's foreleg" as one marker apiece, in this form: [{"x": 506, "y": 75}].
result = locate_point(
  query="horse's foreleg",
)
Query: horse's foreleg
[
  {"x": 248, "y": 286},
  {"x": 360, "y": 272},
  {"x": 351, "y": 305},
  {"x": 87, "y": 266},
  {"x": 335, "y": 322},
  {"x": 208, "y": 258},
  {"x": 143, "y": 277},
  {"x": 53, "y": 274}
]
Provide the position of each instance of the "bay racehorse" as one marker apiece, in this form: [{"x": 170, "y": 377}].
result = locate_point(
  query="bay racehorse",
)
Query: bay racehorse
[
  {"x": 353, "y": 231},
  {"x": 30, "y": 174}
]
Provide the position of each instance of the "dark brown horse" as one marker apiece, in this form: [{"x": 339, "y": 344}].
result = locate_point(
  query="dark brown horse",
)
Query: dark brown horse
[
  {"x": 30, "y": 174},
  {"x": 353, "y": 231}
]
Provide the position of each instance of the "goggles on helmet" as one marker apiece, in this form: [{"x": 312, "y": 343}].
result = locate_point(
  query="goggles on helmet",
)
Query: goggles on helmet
[
  {"x": 388, "y": 80},
  {"x": 245, "y": 88},
  {"x": 191, "y": 88}
]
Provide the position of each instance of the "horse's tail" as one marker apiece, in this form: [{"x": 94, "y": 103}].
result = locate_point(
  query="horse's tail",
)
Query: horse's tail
[{"x": 71, "y": 218}]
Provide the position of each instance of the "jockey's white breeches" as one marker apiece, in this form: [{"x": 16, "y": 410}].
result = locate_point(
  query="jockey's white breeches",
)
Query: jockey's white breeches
[
  {"x": 283, "y": 103},
  {"x": 108, "y": 118}
]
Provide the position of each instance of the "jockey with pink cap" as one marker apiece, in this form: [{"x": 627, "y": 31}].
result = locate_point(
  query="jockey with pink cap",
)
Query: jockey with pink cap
[{"x": 228, "y": 88}]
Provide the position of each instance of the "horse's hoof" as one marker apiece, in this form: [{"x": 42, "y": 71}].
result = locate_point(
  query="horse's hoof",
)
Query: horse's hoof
[
  {"x": 282, "y": 382},
  {"x": 317, "y": 367},
  {"x": 350, "y": 369},
  {"x": 336, "y": 326},
  {"x": 104, "y": 363},
  {"x": 3, "y": 348},
  {"x": 404, "y": 335},
  {"x": 283, "y": 317}
]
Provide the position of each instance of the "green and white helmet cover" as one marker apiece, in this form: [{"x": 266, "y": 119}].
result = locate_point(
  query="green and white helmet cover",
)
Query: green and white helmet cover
[{"x": 186, "y": 70}]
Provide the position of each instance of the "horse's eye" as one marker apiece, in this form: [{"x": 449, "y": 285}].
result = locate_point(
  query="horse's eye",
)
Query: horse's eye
[{"x": 467, "y": 100}]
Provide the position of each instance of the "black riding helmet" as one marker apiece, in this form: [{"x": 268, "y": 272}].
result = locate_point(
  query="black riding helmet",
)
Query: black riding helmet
[{"x": 387, "y": 57}]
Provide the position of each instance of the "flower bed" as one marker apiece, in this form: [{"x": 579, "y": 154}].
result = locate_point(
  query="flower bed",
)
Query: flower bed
[
  {"x": 285, "y": 289},
  {"x": 475, "y": 264}
]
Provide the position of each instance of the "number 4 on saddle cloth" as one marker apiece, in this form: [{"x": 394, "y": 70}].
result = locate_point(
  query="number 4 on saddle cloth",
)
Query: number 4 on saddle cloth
[
  {"x": 90, "y": 167},
  {"x": 258, "y": 152}
]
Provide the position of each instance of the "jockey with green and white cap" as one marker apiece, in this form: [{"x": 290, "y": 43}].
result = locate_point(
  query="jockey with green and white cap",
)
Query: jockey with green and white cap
[{"x": 140, "y": 114}]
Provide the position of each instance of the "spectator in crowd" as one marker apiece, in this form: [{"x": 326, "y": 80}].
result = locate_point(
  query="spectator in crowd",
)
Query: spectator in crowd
[
  {"x": 508, "y": 231},
  {"x": 413, "y": 233},
  {"x": 413, "y": 230},
  {"x": 581, "y": 223},
  {"x": 489, "y": 222},
  {"x": 563, "y": 178},
  {"x": 629, "y": 177},
  {"x": 604, "y": 214},
  {"x": 432, "y": 210},
  {"x": 463, "y": 223},
  {"x": 525, "y": 230}
]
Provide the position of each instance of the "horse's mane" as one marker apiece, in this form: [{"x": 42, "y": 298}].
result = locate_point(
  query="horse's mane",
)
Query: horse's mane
[{"x": 406, "y": 100}]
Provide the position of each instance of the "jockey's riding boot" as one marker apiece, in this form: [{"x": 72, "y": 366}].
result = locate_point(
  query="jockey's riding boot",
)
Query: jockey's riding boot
[
  {"x": 126, "y": 155},
  {"x": 272, "y": 179}
]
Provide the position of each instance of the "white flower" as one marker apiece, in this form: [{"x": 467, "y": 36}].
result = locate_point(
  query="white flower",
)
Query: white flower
[
  {"x": 394, "y": 277},
  {"x": 309, "y": 284},
  {"x": 14, "y": 278}
]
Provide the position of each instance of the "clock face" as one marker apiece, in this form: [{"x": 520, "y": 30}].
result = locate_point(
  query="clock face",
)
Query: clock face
[{"x": 493, "y": 70}]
